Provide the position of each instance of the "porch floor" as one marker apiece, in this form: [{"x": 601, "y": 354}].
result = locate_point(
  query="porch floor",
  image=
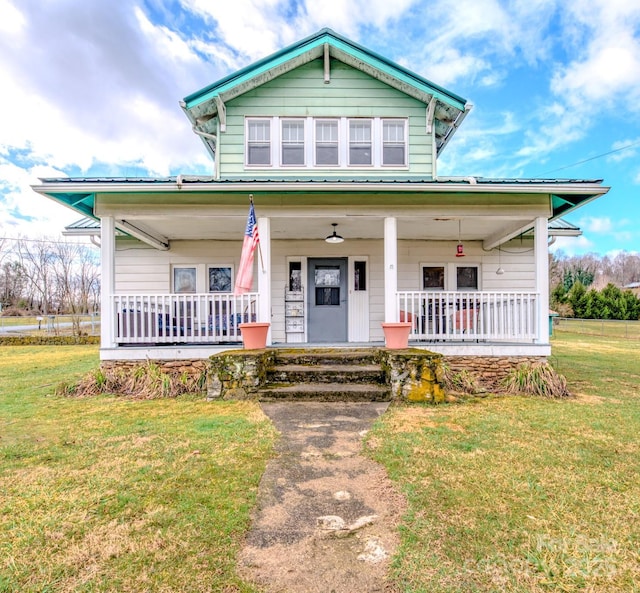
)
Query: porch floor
[{"x": 449, "y": 348}]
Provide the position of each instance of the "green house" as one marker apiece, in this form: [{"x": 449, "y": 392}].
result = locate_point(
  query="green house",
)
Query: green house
[{"x": 337, "y": 147}]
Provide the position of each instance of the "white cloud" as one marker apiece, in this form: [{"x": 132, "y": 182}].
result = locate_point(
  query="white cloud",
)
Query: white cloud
[
  {"x": 12, "y": 21},
  {"x": 573, "y": 245},
  {"x": 596, "y": 225}
]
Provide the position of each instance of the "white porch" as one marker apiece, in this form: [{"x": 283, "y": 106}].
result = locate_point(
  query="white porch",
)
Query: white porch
[{"x": 507, "y": 322}]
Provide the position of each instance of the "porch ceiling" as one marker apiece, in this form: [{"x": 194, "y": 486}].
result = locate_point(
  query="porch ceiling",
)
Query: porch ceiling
[{"x": 317, "y": 227}]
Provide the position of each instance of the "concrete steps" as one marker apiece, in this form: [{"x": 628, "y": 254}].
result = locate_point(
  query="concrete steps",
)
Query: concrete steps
[{"x": 326, "y": 375}]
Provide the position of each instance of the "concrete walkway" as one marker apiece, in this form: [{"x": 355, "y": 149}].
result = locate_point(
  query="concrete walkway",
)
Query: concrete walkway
[{"x": 326, "y": 519}]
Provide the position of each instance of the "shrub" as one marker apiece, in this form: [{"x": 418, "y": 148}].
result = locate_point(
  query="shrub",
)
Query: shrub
[
  {"x": 459, "y": 381},
  {"x": 536, "y": 379},
  {"x": 146, "y": 380}
]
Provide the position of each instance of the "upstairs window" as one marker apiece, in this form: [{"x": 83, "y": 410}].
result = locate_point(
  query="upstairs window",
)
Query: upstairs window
[
  {"x": 259, "y": 142},
  {"x": 292, "y": 142},
  {"x": 327, "y": 142},
  {"x": 360, "y": 146},
  {"x": 394, "y": 144}
]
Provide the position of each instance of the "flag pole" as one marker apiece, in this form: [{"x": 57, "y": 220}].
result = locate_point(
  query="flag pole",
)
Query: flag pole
[{"x": 259, "y": 247}]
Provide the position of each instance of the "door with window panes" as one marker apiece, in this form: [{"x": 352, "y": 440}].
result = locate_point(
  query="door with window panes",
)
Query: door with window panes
[{"x": 327, "y": 300}]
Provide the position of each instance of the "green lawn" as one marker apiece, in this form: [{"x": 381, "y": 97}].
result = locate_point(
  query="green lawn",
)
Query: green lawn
[
  {"x": 524, "y": 494},
  {"x": 109, "y": 494},
  {"x": 507, "y": 494}
]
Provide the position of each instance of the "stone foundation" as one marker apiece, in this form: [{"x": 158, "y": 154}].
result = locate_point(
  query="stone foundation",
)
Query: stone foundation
[
  {"x": 171, "y": 367},
  {"x": 238, "y": 374},
  {"x": 489, "y": 370},
  {"x": 414, "y": 375}
]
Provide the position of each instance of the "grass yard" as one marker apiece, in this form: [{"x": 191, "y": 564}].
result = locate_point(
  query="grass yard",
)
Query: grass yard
[
  {"x": 510, "y": 494},
  {"x": 109, "y": 494},
  {"x": 523, "y": 494},
  {"x": 599, "y": 327}
]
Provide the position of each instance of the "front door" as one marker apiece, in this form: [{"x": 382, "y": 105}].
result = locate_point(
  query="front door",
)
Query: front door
[{"x": 327, "y": 300}]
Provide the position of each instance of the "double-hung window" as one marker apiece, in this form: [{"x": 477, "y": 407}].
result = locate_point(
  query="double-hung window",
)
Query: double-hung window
[
  {"x": 394, "y": 145},
  {"x": 259, "y": 142},
  {"x": 360, "y": 143},
  {"x": 326, "y": 147},
  {"x": 292, "y": 142}
]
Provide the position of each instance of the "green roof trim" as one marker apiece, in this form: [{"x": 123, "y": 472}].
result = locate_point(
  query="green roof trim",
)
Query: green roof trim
[{"x": 317, "y": 41}]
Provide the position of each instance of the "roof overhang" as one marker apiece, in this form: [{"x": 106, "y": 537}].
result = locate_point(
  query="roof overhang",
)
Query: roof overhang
[{"x": 157, "y": 211}]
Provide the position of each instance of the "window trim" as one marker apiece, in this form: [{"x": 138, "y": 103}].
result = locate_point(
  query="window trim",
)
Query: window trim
[
  {"x": 272, "y": 142},
  {"x": 450, "y": 275},
  {"x": 310, "y": 144},
  {"x": 372, "y": 143},
  {"x": 405, "y": 143},
  {"x": 281, "y": 144},
  {"x": 315, "y": 122}
]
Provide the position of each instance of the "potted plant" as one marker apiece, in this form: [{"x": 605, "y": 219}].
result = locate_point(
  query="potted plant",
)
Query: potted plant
[
  {"x": 254, "y": 335},
  {"x": 396, "y": 335}
]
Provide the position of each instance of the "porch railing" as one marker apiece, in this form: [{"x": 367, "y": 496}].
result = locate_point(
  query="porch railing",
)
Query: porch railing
[
  {"x": 181, "y": 318},
  {"x": 486, "y": 316}
]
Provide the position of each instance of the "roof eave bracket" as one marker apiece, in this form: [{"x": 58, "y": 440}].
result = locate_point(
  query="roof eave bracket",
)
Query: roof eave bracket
[
  {"x": 222, "y": 113},
  {"x": 431, "y": 110}
]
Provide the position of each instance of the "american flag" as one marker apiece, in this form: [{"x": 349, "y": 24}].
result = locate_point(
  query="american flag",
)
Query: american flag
[{"x": 244, "y": 278}]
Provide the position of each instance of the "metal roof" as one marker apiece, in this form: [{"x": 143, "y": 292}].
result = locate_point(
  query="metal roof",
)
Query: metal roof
[{"x": 208, "y": 179}]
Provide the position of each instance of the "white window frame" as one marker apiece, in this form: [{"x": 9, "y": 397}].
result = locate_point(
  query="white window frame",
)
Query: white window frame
[
  {"x": 451, "y": 275},
  {"x": 372, "y": 144},
  {"x": 310, "y": 142},
  {"x": 272, "y": 141},
  {"x": 326, "y": 120},
  {"x": 404, "y": 143},
  {"x": 281, "y": 146}
]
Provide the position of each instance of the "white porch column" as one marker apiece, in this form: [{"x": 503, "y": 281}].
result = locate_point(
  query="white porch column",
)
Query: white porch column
[
  {"x": 107, "y": 281},
  {"x": 390, "y": 269},
  {"x": 541, "y": 248},
  {"x": 264, "y": 272}
]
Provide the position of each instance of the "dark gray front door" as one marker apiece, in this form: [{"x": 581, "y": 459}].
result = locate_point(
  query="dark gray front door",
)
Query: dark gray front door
[{"x": 327, "y": 300}]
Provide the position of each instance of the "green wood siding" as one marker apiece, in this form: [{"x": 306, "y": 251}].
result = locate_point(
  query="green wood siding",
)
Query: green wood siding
[{"x": 303, "y": 93}]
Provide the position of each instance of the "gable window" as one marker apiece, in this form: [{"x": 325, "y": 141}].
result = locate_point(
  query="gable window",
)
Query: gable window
[
  {"x": 467, "y": 278},
  {"x": 326, "y": 148},
  {"x": 394, "y": 145},
  {"x": 292, "y": 142},
  {"x": 360, "y": 146},
  {"x": 259, "y": 142}
]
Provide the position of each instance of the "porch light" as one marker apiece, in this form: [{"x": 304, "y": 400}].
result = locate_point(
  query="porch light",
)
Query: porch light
[
  {"x": 460, "y": 247},
  {"x": 335, "y": 238}
]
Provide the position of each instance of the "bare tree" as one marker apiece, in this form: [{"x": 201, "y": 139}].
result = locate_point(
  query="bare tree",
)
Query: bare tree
[{"x": 37, "y": 261}]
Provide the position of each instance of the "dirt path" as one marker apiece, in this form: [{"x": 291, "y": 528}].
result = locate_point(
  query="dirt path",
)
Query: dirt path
[{"x": 327, "y": 517}]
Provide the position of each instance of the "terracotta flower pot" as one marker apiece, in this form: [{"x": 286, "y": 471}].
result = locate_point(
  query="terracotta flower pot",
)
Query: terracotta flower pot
[
  {"x": 396, "y": 335},
  {"x": 254, "y": 335}
]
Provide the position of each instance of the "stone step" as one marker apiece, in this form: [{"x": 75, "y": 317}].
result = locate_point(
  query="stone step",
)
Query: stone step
[
  {"x": 326, "y": 392},
  {"x": 325, "y": 373},
  {"x": 326, "y": 356}
]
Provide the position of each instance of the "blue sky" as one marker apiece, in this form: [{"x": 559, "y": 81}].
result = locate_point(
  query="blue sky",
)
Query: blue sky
[{"x": 92, "y": 88}]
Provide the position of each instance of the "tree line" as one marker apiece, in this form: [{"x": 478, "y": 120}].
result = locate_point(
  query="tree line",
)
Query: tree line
[
  {"x": 593, "y": 287},
  {"x": 46, "y": 276}
]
